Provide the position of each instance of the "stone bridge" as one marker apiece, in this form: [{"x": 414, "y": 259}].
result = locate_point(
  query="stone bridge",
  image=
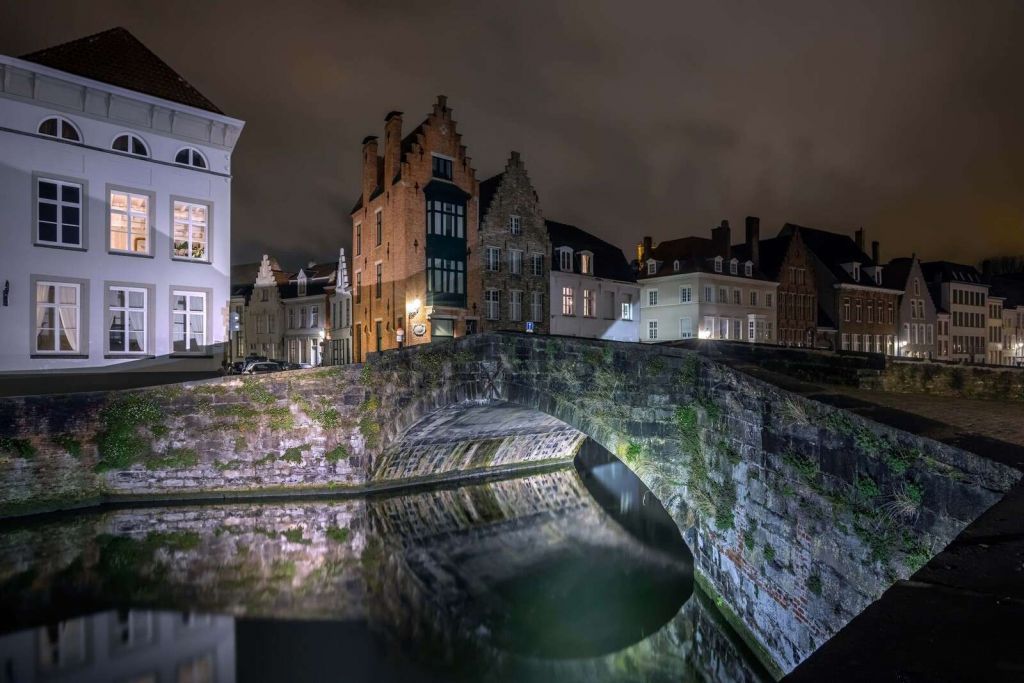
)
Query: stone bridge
[{"x": 798, "y": 514}]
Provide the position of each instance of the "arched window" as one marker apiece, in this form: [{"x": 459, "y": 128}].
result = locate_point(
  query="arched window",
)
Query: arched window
[
  {"x": 675, "y": 266},
  {"x": 60, "y": 128},
  {"x": 733, "y": 266},
  {"x": 190, "y": 156},
  {"x": 131, "y": 144}
]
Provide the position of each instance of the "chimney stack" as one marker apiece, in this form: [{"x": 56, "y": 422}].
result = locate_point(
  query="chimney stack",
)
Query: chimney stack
[
  {"x": 754, "y": 239},
  {"x": 645, "y": 250},
  {"x": 721, "y": 239},
  {"x": 875, "y": 253},
  {"x": 392, "y": 145},
  {"x": 441, "y": 107},
  {"x": 858, "y": 237},
  {"x": 369, "y": 167}
]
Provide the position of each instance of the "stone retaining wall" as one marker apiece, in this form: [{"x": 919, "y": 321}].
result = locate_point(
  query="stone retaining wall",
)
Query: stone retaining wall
[{"x": 945, "y": 379}]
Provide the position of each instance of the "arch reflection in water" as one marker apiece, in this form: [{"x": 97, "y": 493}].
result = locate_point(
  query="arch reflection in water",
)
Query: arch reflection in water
[{"x": 555, "y": 576}]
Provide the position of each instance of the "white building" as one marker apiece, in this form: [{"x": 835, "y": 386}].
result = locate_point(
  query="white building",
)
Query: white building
[
  {"x": 115, "y": 211},
  {"x": 306, "y": 302},
  {"x": 593, "y": 288},
  {"x": 695, "y": 287},
  {"x": 338, "y": 348},
  {"x": 959, "y": 290}
]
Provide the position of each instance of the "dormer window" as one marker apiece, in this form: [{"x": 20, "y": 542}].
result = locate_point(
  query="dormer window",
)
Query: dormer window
[
  {"x": 302, "y": 284},
  {"x": 878, "y": 275},
  {"x": 565, "y": 259},
  {"x": 587, "y": 262},
  {"x": 652, "y": 266},
  {"x": 130, "y": 144},
  {"x": 718, "y": 264},
  {"x": 733, "y": 266},
  {"x": 60, "y": 128},
  {"x": 190, "y": 156},
  {"x": 442, "y": 167},
  {"x": 748, "y": 268},
  {"x": 675, "y": 266},
  {"x": 856, "y": 272}
]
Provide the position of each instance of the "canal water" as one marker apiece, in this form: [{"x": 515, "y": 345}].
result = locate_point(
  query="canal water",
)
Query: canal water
[{"x": 575, "y": 574}]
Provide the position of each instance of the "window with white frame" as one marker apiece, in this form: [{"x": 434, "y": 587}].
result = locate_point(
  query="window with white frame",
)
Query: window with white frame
[
  {"x": 537, "y": 306},
  {"x": 59, "y": 213},
  {"x": 129, "y": 222},
  {"x": 652, "y": 267},
  {"x": 126, "y": 311},
  {"x": 685, "y": 328},
  {"x": 586, "y": 263},
  {"x": 565, "y": 259},
  {"x": 300, "y": 284},
  {"x": 627, "y": 306},
  {"x": 753, "y": 297},
  {"x": 191, "y": 231},
  {"x": 314, "y": 316},
  {"x": 492, "y": 304},
  {"x": 652, "y": 329},
  {"x": 537, "y": 264},
  {"x": 588, "y": 303},
  {"x": 723, "y": 295},
  {"x": 675, "y": 266},
  {"x": 733, "y": 266},
  {"x": 767, "y": 299},
  {"x": 190, "y": 156},
  {"x": 718, "y": 264},
  {"x": 60, "y": 128},
  {"x": 736, "y": 296},
  {"x": 515, "y": 305},
  {"x": 493, "y": 255},
  {"x": 709, "y": 294},
  {"x": 515, "y": 225},
  {"x": 568, "y": 301},
  {"x": 188, "y": 321},
  {"x": 652, "y": 297},
  {"x": 751, "y": 330},
  {"x": 748, "y": 269},
  {"x": 58, "y": 317},
  {"x": 685, "y": 294},
  {"x": 515, "y": 261},
  {"x": 130, "y": 144}
]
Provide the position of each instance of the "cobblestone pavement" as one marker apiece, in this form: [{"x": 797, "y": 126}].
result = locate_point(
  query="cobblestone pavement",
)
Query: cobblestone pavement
[{"x": 958, "y": 618}]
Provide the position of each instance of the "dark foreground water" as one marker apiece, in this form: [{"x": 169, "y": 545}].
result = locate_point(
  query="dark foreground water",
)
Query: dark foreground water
[{"x": 573, "y": 575}]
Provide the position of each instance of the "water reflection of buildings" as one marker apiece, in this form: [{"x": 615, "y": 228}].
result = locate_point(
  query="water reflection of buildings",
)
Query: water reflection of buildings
[{"x": 130, "y": 646}]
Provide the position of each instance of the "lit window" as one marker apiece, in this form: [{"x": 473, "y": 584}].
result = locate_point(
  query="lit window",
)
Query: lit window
[
  {"x": 587, "y": 263},
  {"x": 515, "y": 225},
  {"x": 130, "y": 144},
  {"x": 627, "y": 307},
  {"x": 442, "y": 167},
  {"x": 126, "y": 331},
  {"x": 588, "y": 303},
  {"x": 191, "y": 238},
  {"x": 515, "y": 306},
  {"x": 568, "y": 301},
  {"x": 652, "y": 329},
  {"x": 59, "y": 206},
  {"x": 58, "y": 316},
  {"x": 129, "y": 222},
  {"x": 190, "y": 156},
  {"x": 188, "y": 325},
  {"x": 492, "y": 304},
  {"x": 60, "y": 128}
]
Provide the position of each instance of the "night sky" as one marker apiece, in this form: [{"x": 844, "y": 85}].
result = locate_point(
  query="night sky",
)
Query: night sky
[{"x": 906, "y": 118}]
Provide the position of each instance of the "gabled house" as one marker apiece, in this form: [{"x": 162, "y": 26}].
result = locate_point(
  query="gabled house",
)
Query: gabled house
[
  {"x": 917, "y": 318},
  {"x": 857, "y": 311}
]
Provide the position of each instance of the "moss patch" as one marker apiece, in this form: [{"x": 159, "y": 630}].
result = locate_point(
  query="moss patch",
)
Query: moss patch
[
  {"x": 337, "y": 534},
  {"x": 174, "y": 459},
  {"x": 336, "y": 454},
  {"x": 19, "y": 448},
  {"x": 120, "y": 440}
]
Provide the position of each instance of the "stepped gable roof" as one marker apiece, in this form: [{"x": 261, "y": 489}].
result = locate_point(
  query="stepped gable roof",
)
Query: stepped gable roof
[
  {"x": 834, "y": 249},
  {"x": 488, "y": 189},
  {"x": 609, "y": 262},
  {"x": 118, "y": 58}
]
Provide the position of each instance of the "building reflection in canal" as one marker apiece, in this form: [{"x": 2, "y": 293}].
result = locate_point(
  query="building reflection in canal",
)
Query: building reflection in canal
[{"x": 566, "y": 575}]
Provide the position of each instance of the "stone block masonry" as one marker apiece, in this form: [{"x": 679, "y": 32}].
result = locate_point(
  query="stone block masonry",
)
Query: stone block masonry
[{"x": 799, "y": 515}]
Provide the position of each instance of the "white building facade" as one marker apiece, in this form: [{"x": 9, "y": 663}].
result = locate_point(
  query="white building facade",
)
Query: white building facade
[
  {"x": 115, "y": 211},
  {"x": 685, "y": 305},
  {"x": 960, "y": 291},
  {"x": 338, "y": 348}
]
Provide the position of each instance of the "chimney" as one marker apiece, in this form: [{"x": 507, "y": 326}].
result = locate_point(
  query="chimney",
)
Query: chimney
[
  {"x": 369, "y": 167},
  {"x": 754, "y": 239},
  {"x": 858, "y": 237},
  {"x": 875, "y": 253},
  {"x": 514, "y": 161},
  {"x": 392, "y": 145},
  {"x": 645, "y": 252},
  {"x": 721, "y": 239},
  {"x": 441, "y": 107}
]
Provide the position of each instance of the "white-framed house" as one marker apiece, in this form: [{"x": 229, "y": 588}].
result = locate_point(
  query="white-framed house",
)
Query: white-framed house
[{"x": 115, "y": 211}]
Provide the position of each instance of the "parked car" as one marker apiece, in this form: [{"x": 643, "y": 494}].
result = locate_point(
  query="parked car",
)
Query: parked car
[
  {"x": 261, "y": 368},
  {"x": 237, "y": 367}
]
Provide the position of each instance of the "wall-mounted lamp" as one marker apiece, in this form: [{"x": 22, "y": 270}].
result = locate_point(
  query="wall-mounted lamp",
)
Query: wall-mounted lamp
[{"x": 412, "y": 308}]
